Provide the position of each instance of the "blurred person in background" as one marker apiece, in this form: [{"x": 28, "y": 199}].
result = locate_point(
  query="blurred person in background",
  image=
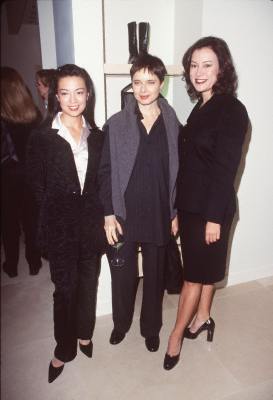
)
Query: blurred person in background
[
  {"x": 44, "y": 78},
  {"x": 19, "y": 115}
]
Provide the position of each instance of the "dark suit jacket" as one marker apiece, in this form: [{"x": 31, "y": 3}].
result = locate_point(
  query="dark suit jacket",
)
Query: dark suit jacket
[
  {"x": 210, "y": 148},
  {"x": 71, "y": 223}
]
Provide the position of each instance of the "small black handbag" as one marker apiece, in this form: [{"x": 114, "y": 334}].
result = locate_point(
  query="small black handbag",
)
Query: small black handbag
[{"x": 173, "y": 268}]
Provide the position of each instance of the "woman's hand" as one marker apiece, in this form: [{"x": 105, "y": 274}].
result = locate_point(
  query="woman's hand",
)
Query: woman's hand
[
  {"x": 111, "y": 226},
  {"x": 175, "y": 226},
  {"x": 212, "y": 233}
]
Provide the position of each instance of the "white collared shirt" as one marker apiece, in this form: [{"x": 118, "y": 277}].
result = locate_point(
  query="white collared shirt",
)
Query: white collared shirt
[{"x": 79, "y": 150}]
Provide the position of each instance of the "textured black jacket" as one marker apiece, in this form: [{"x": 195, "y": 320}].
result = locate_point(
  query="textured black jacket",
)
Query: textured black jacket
[
  {"x": 70, "y": 222},
  {"x": 210, "y": 147}
]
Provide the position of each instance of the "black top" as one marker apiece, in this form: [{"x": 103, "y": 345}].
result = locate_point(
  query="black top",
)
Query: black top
[
  {"x": 147, "y": 193},
  {"x": 210, "y": 147}
]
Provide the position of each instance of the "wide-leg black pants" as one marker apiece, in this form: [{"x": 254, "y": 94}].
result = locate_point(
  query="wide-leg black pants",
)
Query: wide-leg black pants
[
  {"x": 124, "y": 286},
  {"x": 75, "y": 298}
]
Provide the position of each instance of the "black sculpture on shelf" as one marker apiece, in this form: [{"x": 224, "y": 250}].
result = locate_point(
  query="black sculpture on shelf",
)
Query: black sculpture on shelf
[
  {"x": 134, "y": 50},
  {"x": 143, "y": 39},
  {"x": 132, "y": 38}
]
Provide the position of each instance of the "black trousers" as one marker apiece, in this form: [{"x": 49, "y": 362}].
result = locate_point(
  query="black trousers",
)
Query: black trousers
[
  {"x": 75, "y": 299},
  {"x": 124, "y": 286},
  {"x": 18, "y": 211}
]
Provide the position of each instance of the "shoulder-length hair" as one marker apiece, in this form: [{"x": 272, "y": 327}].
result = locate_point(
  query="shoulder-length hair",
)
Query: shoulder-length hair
[
  {"x": 63, "y": 72},
  {"x": 17, "y": 105},
  {"x": 227, "y": 80}
]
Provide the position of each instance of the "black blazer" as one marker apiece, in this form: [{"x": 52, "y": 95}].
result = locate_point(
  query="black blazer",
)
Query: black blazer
[
  {"x": 70, "y": 222},
  {"x": 210, "y": 147}
]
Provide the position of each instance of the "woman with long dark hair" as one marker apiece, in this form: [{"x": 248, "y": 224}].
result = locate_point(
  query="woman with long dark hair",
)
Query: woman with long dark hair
[
  {"x": 210, "y": 147},
  {"x": 63, "y": 158},
  {"x": 19, "y": 115}
]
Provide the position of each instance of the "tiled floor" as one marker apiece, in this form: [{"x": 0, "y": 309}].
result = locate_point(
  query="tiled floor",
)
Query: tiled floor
[{"x": 238, "y": 365}]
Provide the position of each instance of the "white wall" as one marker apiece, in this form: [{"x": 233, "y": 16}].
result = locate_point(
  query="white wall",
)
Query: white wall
[
  {"x": 88, "y": 42},
  {"x": 188, "y": 29},
  {"x": 247, "y": 27},
  {"x": 47, "y": 33}
]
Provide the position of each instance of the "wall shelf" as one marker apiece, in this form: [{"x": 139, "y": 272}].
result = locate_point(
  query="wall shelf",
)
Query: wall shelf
[{"x": 124, "y": 69}]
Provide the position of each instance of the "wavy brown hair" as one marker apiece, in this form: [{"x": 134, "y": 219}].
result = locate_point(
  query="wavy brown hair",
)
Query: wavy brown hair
[
  {"x": 17, "y": 105},
  {"x": 227, "y": 80}
]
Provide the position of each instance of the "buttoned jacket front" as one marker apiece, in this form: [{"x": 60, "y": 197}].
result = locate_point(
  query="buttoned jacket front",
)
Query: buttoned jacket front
[
  {"x": 210, "y": 148},
  {"x": 70, "y": 221}
]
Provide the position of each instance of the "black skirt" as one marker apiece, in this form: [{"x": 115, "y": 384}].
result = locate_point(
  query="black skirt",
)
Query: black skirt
[{"x": 202, "y": 263}]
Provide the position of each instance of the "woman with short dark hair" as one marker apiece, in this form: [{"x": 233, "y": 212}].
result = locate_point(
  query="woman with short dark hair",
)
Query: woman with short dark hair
[
  {"x": 137, "y": 177},
  {"x": 210, "y": 148}
]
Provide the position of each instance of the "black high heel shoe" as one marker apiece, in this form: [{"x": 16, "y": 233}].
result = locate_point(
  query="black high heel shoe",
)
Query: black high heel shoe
[
  {"x": 87, "y": 349},
  {"x": 54, "y": 372},
  {"x": 208, "y": 326},
  {"x": 170, "y": 361}
]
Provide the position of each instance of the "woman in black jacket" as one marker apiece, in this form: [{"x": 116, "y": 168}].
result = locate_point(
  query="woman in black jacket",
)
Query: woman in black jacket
[
  {"x": 62, "y": 161},
  {"x": 209, "y": 151}
]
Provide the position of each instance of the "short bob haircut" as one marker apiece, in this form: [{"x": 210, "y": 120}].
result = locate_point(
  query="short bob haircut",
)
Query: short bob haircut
[
  {"x": 227, "y": 81},
  {"x": 153, "y": 64},
  {"x": 63, "y": 72}
]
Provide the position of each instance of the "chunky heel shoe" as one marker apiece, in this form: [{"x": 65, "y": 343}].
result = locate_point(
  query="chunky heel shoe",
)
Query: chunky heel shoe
[
  {"x": 208, "y": 326},
  {"x": 54, "y": 372},
  {"x": 170, "y": 361},
  {"x": 86, "y": 349}
]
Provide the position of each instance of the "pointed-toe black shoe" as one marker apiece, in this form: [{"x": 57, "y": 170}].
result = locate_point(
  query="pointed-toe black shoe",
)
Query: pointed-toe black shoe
[
  {"x": 116, "y": 337},
  {"x": 86, "y": 349},
  {"x": 170, "y": 361},
  {"x": 152, "y": 343},
  {"x": 54, "y": 372}
]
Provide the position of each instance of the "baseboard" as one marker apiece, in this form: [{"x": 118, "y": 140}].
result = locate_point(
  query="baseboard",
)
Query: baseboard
[{"x": 234, "y": 278}]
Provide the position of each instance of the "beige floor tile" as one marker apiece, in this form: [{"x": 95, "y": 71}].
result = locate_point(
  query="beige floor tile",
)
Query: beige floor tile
[
  {"x": 238, "y": 365},
  {"x": 243, "y": 335},
  {"x": 263, "y": 391},
  {"x": 266, "y": 281}
]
